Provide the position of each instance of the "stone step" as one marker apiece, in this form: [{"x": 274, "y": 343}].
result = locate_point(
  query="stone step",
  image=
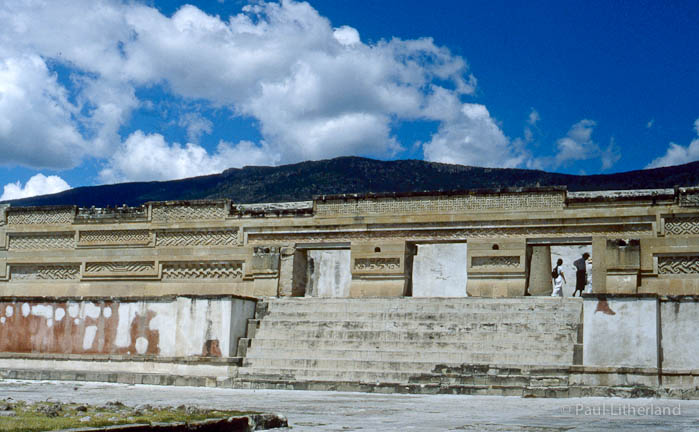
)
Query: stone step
[
  {"x": 413, "y": 348},
  {"x": 332, "y": 375},
  {"x": 258, "y": 358},
  {"x": 421, "y": 378},
  {"x": 458, "y": 305},
  {"x": 484, "y": 325},
  {"x": 451, "y": 317},
  {"x": 340, "y": 364},
  {"x": 404, "y": 336}
]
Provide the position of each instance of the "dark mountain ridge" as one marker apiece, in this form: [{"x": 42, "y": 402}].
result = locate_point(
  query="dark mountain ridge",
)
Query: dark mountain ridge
[{"x": 301, "y": 181}]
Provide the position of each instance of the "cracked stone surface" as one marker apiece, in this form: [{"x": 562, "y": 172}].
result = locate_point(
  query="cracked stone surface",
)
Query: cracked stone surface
[{"x": 338, "y": 411}]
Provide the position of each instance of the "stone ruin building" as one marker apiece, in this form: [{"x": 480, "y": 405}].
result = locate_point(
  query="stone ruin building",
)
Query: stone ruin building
[{"x": 427, "y": 292}]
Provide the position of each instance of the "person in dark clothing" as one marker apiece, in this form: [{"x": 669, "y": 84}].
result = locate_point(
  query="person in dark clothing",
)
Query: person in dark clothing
[{"x": 581, "y": 273}]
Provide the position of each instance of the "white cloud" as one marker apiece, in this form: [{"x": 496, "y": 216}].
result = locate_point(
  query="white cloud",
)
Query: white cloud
[
  {"x": 610, "y": 155},
  {"x": 677, "y": 154},
  {"x": 577, "y": 144},
  {"x": 38, "y": 184},
  {"x": 145, "y": 157},
  {"x": 196, "y": 125},
  {"x": 346, "y": 35},
  {"x": 37, "y": 125},
  {"x": 315, "y": 90},
  {"x": 472, "y": 138},
  {"x": 533, "y": 117}
]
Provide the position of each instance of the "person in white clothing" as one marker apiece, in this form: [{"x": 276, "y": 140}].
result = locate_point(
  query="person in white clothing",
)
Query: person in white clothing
[{"x": 558, "y": 279}]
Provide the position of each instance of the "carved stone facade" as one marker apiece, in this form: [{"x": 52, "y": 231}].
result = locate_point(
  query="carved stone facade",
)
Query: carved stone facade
[
  {"x": 678, "y": 226},
  {"x": 495, "y": 261},
  {"x": 45, "y": 272},
  {"x": 374, "y": 264},
  {"x": 643, "y": 229},
  {"x": 41, "y": 241},
  {"x": 114, "y": 238},
  {"x": 440, "y": 204},
  {"x": 133, "y": 268},
  {"x": 168, "y": 213},
  {"x": 130, "y": 250},
  {"x": 678, "y": 264},
  {"x": 41, "y": 217},
  {"x": 228, "y": 237},
  {"x": 215, "y": 270}
]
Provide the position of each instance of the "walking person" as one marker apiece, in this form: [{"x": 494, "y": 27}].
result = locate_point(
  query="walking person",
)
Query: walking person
[
  {"x": 558, "y": 279},
  {"x": 581, "y": 273}
]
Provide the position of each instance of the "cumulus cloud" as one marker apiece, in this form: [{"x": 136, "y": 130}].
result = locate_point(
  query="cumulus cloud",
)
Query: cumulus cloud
[
  {"x": 144, "y": 157},
  {"x": 472, "y": 138},
  {"x": 315, "y": 90},
  {"x": 38, "y": 184},
  {"x": 196, "y": 125},
  {"x": 37, "y": 121},
  {"x": 577, "y": 144},
  {"x": 677, "y": 154}
]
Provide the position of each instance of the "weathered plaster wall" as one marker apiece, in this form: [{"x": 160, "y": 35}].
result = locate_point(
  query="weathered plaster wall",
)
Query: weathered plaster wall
[
  {"x": 329, "y": 273},
  {"x": 169, "y": 328},
  {"x": 439, "y": 270},
  {"x": 680, "y": 342},
  {"x": 620, "y": 332}
]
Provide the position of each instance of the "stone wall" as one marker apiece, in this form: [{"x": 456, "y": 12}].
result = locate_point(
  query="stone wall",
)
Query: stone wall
[
  {"x": 641, "y": 242},
  {"x": 172, "y": 328},
  {"x": 641, "y": 331}
]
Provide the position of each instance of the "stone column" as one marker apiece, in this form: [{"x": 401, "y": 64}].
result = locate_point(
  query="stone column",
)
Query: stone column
[{"x": 540, "y": 283}]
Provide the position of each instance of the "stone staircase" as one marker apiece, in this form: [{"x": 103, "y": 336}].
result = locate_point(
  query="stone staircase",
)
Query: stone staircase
[{"x": 454, "y": 345}]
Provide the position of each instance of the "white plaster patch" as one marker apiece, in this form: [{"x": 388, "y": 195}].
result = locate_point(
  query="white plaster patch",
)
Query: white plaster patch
[
  {"x": 2, "y": 320},
  {"x": 9, "y": 311},
  {"x": 88, "y": 340},
  {"x": 107, "y": 312},
  {"x": 166, "y": 319},
  {"x": 43, "y": 311},
  {"x": 123, "y": 334},
  {"x": 141, "y": 345},
  {"x": 76, "y": 321},
  {"x": 90, "y": 310},
  {"x": 59, "y": 314},
  {"x": 25, "y": 309},
  {"x": 73, "y": 309},
  {"x": 49, "y": 322}
]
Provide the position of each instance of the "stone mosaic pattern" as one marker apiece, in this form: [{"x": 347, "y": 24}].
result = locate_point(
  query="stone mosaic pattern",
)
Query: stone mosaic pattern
[
  {"x": 640, "y": 230},
  {"x": 441, "y": 204},
  {"x": 678, "y": 264},
  {"x": 185, "y": 213},
  {"x": 374, "y": 264},
  {"x": 495, "y": 261},
  {"x": 682, "y": 226},
  {"x": 41, "y": 241},
  {"x": 689, "y": 199},
  {"x": 116, "y": 237},
  {"x": 40, "y": 217},
  {"x": 203, "y": 270},
  {"x": 197, "y": 238},
  {"x": 46, "y": 272},
  {"x": 120, "y": 267}
]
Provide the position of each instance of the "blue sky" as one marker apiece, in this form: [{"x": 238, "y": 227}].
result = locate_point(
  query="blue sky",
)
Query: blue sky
[{"x": 95, "y": 92}]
